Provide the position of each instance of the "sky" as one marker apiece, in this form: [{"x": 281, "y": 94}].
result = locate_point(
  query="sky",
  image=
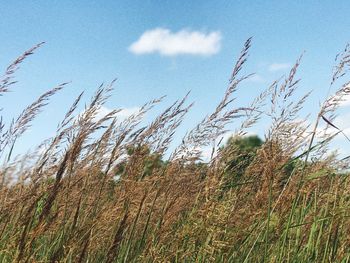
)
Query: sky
[{"x": 157, "y": 48}]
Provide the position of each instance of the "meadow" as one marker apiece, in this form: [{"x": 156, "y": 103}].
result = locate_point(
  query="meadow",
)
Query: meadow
[{"x": 110, "y": 190}]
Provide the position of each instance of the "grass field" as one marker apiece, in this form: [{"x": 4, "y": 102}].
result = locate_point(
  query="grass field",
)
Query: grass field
[{"x": 109, "y": 190}]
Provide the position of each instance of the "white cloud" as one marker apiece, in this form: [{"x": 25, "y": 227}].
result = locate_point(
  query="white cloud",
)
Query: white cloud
[
  {"x": 339, "y": 142},
  {"x": 167, "y": 43},
  {"x": 278, "y": 66},
  {"x": 345, "y": 103},
  {"x": 206, "y": 154},
  {"x": 256, "y": 78},
  {"x": 126, "y": 112},
  {"x": 103, "y": 111},
  {"x": 343, "y": 120},
  {"x": 121, "y": 115}
]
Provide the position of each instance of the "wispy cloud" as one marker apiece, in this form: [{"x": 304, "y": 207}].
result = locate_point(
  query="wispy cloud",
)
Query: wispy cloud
[
  {"x": 279, "y": 66},
  {"x": 345, "y": 103},
  {"x": 126, "y": 112},
  {"x": 121, "y": 115},
  {"x": 256, "y": 78},
  {"x": 167, "y": 43}
]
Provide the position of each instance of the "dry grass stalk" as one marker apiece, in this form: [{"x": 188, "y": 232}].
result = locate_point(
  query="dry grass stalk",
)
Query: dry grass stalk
[{"x": 101, "y": 190}]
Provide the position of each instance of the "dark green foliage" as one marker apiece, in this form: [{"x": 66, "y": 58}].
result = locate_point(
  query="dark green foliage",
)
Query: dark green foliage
[
  {"x": 245, "y": 144},
  {"x": 150, "y": 161},
  {"x": 237, "y": 155}
]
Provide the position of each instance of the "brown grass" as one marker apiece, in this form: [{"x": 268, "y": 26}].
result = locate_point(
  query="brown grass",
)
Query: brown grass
[{"x": 101, "y": 190}]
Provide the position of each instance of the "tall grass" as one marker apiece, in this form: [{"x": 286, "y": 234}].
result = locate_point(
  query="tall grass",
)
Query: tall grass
[{"x": 104, "y": 190}]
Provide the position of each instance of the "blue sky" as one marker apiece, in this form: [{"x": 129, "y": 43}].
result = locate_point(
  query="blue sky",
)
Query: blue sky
[{"x": 89, "y": 42}]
